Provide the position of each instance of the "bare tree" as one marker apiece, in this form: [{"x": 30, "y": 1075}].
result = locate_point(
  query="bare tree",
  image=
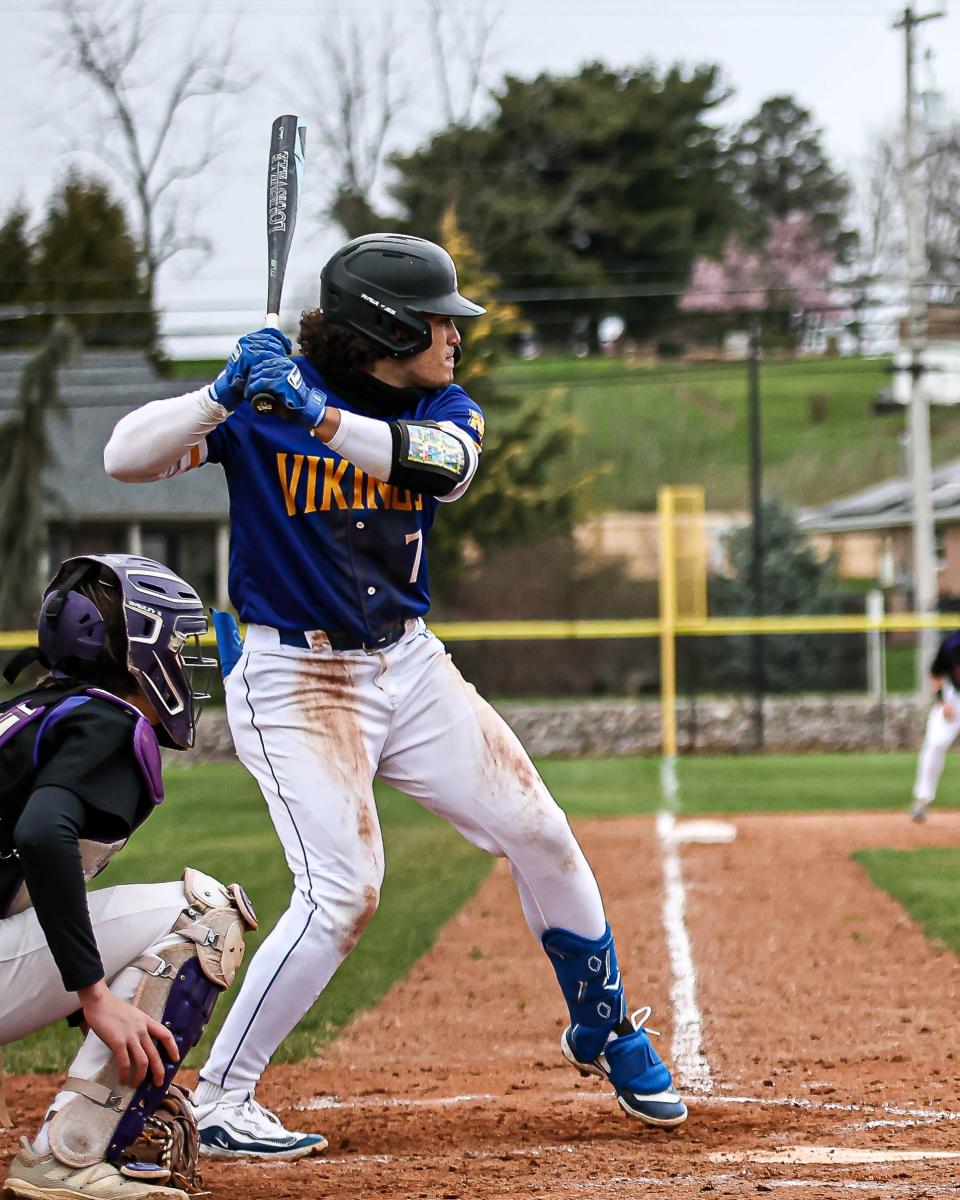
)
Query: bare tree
[
  {"x": 878, "y": 278},
  {"x": 368, "y": 75},
  {"x": 943, "y": 213},
  {"x": 460, "y": 43},
  {"x": 360, "y": 91},
  {"x": 115, "y": 47},
  {"x": 880, "y": 204}
]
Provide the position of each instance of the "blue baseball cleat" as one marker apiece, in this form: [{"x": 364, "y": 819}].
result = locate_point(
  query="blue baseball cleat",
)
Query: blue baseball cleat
[
  {"x": 637, "y": 1073},
  {"x": 237, "y": 1126}
]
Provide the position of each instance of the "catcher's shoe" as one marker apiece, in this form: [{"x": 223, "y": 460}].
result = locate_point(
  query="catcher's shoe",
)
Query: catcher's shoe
[
  {"x": 42, "y": 1177},
  {"x": 237, "y": 1126},
  {"x": 638, "y": 1074}
]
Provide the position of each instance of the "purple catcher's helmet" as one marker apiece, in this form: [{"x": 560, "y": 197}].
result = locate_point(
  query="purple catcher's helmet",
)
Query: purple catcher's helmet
[{"x": 161, "y": 612}]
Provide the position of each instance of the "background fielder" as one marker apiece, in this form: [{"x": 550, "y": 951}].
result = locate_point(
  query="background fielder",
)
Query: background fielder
[
  {"x": 339, "y": 680},
  {"x": 943, "y": 725}
]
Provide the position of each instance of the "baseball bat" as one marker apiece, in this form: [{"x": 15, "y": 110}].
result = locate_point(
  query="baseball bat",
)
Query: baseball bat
[{"x": 284, "y": 173}]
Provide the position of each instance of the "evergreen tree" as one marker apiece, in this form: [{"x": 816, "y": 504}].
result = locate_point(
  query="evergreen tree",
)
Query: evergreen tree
[
  {"x": 87, "y": 260},
  {"x": 795, "y": 581},
  {"x": 519, "y": 491},
  {"x": 777, "y": 165},
  {"x": 26, "y": 455},
  {"x": 603, "y": 181},
  {"x": 16, "y": 263}
]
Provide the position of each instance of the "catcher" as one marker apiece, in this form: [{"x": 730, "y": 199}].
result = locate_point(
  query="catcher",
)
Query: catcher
[{"x": 140, "y": 966}]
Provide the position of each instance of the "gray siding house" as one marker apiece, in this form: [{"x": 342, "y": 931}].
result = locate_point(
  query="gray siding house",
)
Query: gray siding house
[
  {"x": 871, "y": 532},
  {"x": 182, "y": 522}
]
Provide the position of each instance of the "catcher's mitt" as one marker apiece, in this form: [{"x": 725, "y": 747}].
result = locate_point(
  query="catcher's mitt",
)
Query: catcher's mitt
[{"x": 170, "y": 1143}]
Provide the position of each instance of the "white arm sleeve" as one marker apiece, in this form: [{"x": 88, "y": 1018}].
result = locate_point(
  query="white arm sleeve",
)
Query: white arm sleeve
[
  {"x": 162, "y": 438},
  {"x": 473, "y": 459},
  {"x": 366, "y": 443}
]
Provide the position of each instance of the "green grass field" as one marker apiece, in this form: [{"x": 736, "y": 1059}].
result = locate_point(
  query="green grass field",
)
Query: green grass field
[
  {"x": 214, "y": 818},
  {"x": 927, "y": 884}
]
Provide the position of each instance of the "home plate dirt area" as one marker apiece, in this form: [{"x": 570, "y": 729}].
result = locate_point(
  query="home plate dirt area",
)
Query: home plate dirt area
[{"x": 820, "y": 1025}]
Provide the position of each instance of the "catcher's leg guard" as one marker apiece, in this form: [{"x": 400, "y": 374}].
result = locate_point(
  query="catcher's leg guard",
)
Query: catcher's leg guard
[
  {"x": 182, "y": 977},
  {"x": 589, "y": 978}
]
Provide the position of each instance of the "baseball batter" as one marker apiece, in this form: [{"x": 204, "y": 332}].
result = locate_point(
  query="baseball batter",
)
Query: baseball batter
[
  {"x": 79, "y": 771},
  {"x": 943, "y": 725},
  {"x": 332, "y": 497}
]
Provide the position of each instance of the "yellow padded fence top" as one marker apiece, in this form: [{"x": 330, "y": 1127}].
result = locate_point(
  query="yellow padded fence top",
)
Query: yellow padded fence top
[{"x": 479, "y": 631}]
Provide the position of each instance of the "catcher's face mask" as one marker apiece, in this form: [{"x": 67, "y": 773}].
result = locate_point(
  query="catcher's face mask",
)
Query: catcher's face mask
[{"x": 163, "y": 619}]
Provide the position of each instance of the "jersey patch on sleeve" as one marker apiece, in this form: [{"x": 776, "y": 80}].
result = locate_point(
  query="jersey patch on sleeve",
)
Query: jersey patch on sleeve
[{"x": 478, "y": 425}]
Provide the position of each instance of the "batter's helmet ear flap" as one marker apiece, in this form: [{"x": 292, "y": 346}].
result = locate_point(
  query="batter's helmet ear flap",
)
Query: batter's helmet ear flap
[{"x": 382, "y": 285}]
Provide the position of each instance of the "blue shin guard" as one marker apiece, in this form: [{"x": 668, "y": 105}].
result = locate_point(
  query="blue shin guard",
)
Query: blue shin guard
[
  {"x": 600, "y": 1039},
  {"x": 589, "y": 977}
]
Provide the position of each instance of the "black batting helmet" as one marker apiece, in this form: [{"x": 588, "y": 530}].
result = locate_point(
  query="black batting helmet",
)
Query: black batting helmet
[{"x": 379, "y": 286}]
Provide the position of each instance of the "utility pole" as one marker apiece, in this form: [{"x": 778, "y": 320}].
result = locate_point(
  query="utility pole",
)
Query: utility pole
[{"x": 924, "y": 559}]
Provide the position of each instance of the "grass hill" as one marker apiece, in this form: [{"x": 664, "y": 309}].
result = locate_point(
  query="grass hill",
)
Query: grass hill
[{"x": 675, "y": 423}]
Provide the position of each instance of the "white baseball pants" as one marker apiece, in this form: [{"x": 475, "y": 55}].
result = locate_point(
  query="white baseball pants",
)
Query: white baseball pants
[
  {"x": 128, "y": 921},
  {"x": 314, "y": 727},
  {"x": 937, "y": 740}
]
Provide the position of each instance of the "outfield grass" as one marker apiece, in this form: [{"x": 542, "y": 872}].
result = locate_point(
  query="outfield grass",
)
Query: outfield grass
[
  {"x": 215, "y": 819},
  {"x": 733, "y": 784},
  {"x": 925, "y": 882}
]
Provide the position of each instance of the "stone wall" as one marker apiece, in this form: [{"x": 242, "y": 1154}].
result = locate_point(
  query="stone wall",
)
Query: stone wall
[{"x": 718, "y": 726}]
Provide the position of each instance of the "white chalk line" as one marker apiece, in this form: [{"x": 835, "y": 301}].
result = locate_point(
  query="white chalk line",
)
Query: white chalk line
[
  {"x": 690, "y": 1065},
  {"x": 924, "y": 1115}
]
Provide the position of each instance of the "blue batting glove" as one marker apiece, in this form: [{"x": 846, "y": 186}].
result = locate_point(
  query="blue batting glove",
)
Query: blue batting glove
[
  {"x": 227, "y": 388},
  {"x": 276, "y": 386}
]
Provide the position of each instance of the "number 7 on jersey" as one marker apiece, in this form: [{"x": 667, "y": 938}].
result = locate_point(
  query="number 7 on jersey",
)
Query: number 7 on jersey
[{"x": 418, "y": 538}]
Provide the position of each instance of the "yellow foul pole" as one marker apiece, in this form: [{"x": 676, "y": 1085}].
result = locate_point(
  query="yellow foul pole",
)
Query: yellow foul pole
[{"x": 668, "y": 620}]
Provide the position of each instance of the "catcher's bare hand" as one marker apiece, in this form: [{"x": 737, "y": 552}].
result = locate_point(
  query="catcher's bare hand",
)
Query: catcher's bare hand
[{"x": 128, "y": 1033}]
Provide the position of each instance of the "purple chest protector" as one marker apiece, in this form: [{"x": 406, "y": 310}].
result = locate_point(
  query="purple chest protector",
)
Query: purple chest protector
[{"x": 146, "y": 749}]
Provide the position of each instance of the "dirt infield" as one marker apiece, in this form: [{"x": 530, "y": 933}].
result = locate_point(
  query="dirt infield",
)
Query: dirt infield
[{"x": 829, "y": 1037}]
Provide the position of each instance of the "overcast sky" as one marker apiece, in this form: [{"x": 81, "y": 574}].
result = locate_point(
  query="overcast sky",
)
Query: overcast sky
[{"x": 839, "y": 58}]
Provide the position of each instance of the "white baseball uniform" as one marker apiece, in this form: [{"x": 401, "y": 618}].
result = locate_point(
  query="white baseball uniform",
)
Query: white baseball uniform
[
  {"x": 324, "y": 555},
  {"x": 940, "y": 735}
]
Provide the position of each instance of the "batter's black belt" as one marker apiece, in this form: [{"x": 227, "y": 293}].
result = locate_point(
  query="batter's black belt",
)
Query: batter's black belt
[{"x": 386, "y": 635}]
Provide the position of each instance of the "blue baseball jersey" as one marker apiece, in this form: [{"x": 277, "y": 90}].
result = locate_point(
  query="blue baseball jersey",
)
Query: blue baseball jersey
[{"x": 315, "y": 542}]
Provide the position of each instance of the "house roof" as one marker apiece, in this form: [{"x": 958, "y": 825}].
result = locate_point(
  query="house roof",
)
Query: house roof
[
  {"x": 886, "y": 505},
  {"x": 96, "y": 390}
]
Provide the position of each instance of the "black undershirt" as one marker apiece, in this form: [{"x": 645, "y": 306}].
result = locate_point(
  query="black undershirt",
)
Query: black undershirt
[
  {"x": 87, "y": 785},
  {"x": 371, "y": 395}
]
